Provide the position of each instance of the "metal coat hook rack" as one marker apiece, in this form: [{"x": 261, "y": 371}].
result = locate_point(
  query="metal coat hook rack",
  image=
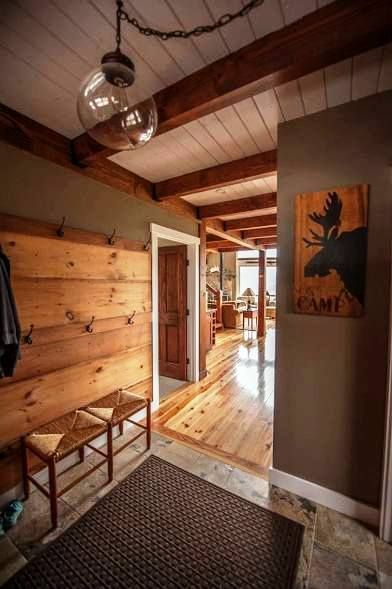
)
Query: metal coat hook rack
[
  {"x": 111, "y": 240},
  {"x": 27, "y": 338},
  {"x": 89, "y": 327},
  {"x": 130, "y": 320},
  {"x": 60, "y": 231}
]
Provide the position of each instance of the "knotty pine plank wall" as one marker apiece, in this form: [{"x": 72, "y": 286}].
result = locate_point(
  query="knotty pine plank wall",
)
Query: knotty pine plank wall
[{"x": 60, "y": 283}]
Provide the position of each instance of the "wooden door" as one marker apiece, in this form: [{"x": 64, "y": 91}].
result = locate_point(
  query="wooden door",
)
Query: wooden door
[{"x": 172, "y": 266}]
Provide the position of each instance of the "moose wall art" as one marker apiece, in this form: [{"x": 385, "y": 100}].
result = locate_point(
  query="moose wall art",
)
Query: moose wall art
[{"x": 330, "y": 251}]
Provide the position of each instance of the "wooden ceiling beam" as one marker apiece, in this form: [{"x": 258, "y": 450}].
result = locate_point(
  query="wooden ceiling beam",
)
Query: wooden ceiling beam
[
  {"x": 326, "y": 36},
  {"x": 242, "y": 205},
  {"x": 22, "y": 132},
  {"x": 248, "y": 168},
  {"x": 250, "y": 223},
  {"x": 221, "y": 244},
  {"x": 215, "y": 228},
  {"x": 259, "y": 233},
  {"x": 270, "y": 243}
]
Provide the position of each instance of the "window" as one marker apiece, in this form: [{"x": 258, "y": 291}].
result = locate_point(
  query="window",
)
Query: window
[
  {"x": 246, "y": 254},
  {"x": 270, "y": 282},
  {"x": 249, "y": 278}
]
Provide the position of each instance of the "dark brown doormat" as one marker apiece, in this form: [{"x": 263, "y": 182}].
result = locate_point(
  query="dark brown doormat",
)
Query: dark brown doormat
[{"x": 164, "y": 527}]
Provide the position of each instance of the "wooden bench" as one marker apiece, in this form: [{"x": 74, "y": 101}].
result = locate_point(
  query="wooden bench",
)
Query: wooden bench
[{"x": 76, "y": 430}]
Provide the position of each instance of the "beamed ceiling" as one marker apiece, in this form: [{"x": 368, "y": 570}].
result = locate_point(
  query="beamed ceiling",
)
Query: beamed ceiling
[{"x": 48, "y": 47}]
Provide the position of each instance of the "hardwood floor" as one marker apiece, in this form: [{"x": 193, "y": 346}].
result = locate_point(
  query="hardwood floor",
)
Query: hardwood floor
[{"x": 229, "y": 414}]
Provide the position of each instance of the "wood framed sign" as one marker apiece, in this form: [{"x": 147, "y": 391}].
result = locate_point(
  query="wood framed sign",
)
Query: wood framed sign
[{"x": 330, "y": 251}]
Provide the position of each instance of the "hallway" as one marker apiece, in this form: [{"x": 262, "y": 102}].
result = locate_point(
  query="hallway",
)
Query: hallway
[{"x": 229, "y": 414}]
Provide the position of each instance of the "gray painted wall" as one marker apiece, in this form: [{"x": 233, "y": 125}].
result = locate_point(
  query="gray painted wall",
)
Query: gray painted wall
[
  {"x": 38, "y": 189},
  {"x": 331, "y": 372}
]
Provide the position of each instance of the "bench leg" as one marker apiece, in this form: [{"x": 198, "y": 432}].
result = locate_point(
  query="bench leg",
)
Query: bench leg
[
  {"x": 148, "y": 425},
  {"x": 53, "y": 491},
  {"x": 121, "y": 427},
  {"x": 25, "y": 470},
  {"x": 110, "y": 452},
  {"x": 81, "y": 454}
]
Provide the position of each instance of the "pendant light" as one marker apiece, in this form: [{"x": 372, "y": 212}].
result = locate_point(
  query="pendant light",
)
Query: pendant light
[{"x": 111, "y": 107}]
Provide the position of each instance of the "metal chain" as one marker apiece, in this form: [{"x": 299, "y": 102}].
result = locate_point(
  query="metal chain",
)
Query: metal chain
[{"x": 222, "y": 21}]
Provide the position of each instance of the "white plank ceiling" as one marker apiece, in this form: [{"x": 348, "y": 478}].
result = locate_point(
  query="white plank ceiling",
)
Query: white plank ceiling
[{"x": 47, "y": 47}]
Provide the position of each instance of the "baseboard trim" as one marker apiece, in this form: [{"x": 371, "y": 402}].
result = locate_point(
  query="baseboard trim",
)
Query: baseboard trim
[{"x": 355, "y": 509}]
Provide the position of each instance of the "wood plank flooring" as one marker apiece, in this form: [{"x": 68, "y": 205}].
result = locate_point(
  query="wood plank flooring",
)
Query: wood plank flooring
[{"x": 229, "y": 414}]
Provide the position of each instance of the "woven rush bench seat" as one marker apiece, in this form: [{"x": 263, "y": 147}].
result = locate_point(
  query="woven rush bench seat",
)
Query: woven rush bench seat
[
  {"x": 118, "y": 407},
  {"x": 56, "y": 440}
]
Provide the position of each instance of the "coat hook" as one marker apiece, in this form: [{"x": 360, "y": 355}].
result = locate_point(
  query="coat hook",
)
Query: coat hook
[
  {"x": 60, "y": 230},
  {"x": 147, "y": 245},
  {"x": 111, "y": 240},
  {"x": 130, "y": 320},
  {"x": 89, "y": 327},
  {"x": 27, "y": 338}
]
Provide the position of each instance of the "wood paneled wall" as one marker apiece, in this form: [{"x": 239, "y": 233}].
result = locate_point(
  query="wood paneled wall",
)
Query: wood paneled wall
[{"x": 60, "y": 283}]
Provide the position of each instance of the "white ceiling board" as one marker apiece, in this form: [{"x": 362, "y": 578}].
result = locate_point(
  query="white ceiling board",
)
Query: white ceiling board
[
  {"x": 295, "y": 9},
  {"x": 47, "y": 48},
  {"x": 30, "y": 55},
  {"x": 366, "y": 73},
  {"x": 196, "y": 149},
  {"x": 236, "y": 34},
  {"x": 385, "y": 81},
  {"x": 266, "y": 18},
  {"x": 211, "y": 47},
  {"x": 313, "y": 92},
  {"x": 232, "y": 192},
  {"x": 35, "y": 28},
  {"x": 160, "y": 15},
  {"x": 290, "y": 100},
  {"x": 250, "y": 116},
  {"x": 204, "y": 137},
  {"x": 229, "y": 118},
  {"x": 40, "y": 104},
  {"x": 222, "y": 135},
  {"x": 270, "y": 110},
  {"x": 338, "y": 78},
  {"x": 272, "y": 182}
]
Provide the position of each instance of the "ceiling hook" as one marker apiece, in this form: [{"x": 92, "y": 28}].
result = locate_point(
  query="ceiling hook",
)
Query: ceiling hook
[
  {"x": 130, "y": 320},
  {"x": 89, "y": 327},
  {"x": 27, "y": 338},
  {"x": 60, "y": 231},
  {"x": 111, "y": 240}
]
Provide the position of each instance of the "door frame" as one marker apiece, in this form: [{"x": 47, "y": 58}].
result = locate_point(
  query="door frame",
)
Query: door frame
[
  {"x": 386, "y": 497},
  {"x": 193, "y": 335}
]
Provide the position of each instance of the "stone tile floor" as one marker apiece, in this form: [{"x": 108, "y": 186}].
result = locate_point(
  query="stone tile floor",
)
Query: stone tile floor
[{"x": 337, "y": 552}]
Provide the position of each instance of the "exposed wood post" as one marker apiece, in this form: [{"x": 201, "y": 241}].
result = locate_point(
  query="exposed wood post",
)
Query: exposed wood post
[
  {"x": 261, "y": 309},
  {"x": 148, "y": 424},
  {"x": 25, "y": 470},
  {"x": 204, "y": 328},
  {"x": 110, "y": 454},
  {"x": 53, "y": 491},
  {"x": 81, "y": 454}
]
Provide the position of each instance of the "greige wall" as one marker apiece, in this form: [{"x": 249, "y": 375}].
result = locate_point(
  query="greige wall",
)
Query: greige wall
[
  {"x": 35, "y": 188},
  {"x": 331, "y": 372}
]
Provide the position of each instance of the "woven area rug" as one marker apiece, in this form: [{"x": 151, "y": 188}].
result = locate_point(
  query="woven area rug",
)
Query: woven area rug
[{"x": 164, "y": 527}]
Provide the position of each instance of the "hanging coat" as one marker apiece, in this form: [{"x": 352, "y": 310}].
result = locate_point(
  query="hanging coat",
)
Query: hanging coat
[{"x": 9, "y": 323}]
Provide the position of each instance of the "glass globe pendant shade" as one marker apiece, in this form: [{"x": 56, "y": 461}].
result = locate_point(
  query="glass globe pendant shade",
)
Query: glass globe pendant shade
[{"x": 111, "y": 107}]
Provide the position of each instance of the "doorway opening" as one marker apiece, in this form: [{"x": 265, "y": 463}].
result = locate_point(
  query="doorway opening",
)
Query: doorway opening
[
  {"x": 229, "y": 414},
  {"x": 175, "y": 310}
]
